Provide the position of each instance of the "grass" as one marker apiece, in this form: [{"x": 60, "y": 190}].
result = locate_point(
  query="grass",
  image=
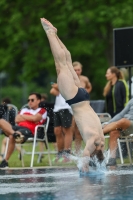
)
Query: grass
[{"x": 15, "y": 162}]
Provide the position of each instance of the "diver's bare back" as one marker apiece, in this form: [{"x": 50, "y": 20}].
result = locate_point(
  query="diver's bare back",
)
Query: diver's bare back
[{"x": 87, "y": 120}]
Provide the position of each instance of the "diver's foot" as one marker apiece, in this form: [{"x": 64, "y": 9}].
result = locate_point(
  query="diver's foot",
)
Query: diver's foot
[
  {"x": 48, "y": 26},
  {"x": 111, "y": 162}
]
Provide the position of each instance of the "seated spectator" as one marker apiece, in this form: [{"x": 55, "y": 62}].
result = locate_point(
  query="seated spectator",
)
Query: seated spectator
[
  {"x": 26, "y": 121},
  {"x": 63, "y": 125},
  {"x": 9, "y": 116},
  {"x": 120, "y": 125}
]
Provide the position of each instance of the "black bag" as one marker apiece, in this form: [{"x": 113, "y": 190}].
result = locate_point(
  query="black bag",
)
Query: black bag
[
  {"x": 49, "y": 107},
  {"x": 3, "y": 111}
]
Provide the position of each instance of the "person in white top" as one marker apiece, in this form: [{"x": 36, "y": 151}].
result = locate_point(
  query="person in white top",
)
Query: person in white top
[{"x": 63, "y": 128}]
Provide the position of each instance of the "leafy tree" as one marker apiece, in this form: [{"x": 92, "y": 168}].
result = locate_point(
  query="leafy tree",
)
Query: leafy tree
[{"x": 86, "y": 28}]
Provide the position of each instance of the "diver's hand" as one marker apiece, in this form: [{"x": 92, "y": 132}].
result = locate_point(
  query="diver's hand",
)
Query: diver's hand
[{"x": 84, "y": 164}]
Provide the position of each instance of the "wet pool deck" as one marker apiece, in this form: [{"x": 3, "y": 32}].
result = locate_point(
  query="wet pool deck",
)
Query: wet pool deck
[
  {"x": 60, "y": 167},
  {"x": 57, "y": 183}
]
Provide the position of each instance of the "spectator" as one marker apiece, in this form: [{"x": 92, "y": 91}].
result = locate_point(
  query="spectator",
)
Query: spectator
[
  {"x": 84, "y": 81},
  {"x": 116, "y": 94},
  {"x": 62, "y": 125},
  {"x": 26, "y": 121},
  {"x": 116, "y": 91},
  {"x": 120, "y": 125},
  {"x": 9, "y": 115}
]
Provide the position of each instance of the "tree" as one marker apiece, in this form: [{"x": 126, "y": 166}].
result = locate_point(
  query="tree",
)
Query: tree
[{"x": 86, "y": 28}]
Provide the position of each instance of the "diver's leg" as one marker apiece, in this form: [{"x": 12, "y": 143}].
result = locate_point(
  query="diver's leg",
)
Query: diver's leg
[
  {"x": 65, "y": 80},
  {"x": 69, "y": 63}
]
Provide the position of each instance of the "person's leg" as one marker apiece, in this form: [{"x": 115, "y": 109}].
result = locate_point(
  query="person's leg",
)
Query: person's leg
[
  {"x": 68, "y": 137},
  {"x": 58, "y": 132},
  {"x": 22, "y": 135},
  {"x": 68, "y": 90},
  {"x": 122, "y": 124},
  {"x": 66, "y": 119},
  {"x": 69, "y": 63},
  {"x": 59, "y": 138},
  {"x": 114, "y": 135},
  {"x": 3, "y": 147},
  {"x": 8, "y": 130},
  {"x": 11, "y": 147},
  {"x": 6, "y": 127}
]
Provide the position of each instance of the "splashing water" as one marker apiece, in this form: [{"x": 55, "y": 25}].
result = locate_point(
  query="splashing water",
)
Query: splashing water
[{"x": 97, "y": 168}]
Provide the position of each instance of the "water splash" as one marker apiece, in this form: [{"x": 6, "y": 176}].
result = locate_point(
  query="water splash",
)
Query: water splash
[{"x": 84, "y": 162}]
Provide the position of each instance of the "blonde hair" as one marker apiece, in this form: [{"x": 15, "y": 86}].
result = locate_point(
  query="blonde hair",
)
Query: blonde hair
[
  {"x": 118, "y": 74},
  {"x": 76, "y": 63}
]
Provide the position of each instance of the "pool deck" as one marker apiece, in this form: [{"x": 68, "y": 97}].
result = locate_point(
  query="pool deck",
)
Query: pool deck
[{"x": 57, "y": 167}]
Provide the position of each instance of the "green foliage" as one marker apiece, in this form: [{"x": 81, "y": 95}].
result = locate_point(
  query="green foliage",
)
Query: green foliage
[
  {"x": 86, "y": 28},
  {"x": 19, "y": 95}
]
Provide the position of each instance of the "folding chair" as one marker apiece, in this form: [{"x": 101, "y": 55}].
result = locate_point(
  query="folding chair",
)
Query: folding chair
[
  {"x": 126, "y": 139},
  {"x": 104, "y": 117},
  {"x": 98, "y": 105},
  {"x": 34, "y": 140}
]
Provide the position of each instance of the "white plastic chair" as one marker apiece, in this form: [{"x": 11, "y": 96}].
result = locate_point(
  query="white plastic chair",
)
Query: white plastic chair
[
  {"x": 126, "y": 139},
  {"x": 104, "y": 117},
  {"x": 35, "y": 139}
]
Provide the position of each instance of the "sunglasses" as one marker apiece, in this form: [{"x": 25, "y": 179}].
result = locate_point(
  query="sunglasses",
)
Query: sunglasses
[{"x": 32, "y": 100}]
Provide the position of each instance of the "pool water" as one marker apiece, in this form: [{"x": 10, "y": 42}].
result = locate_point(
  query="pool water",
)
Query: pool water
[{"x": 66, "y": 184}]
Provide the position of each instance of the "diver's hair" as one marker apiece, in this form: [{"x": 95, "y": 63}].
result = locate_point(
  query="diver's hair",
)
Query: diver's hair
[
  {"x": 98, "y": 154},
  {"x": 118, "y": 74},
  {"x": 76, "y": 63}
]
